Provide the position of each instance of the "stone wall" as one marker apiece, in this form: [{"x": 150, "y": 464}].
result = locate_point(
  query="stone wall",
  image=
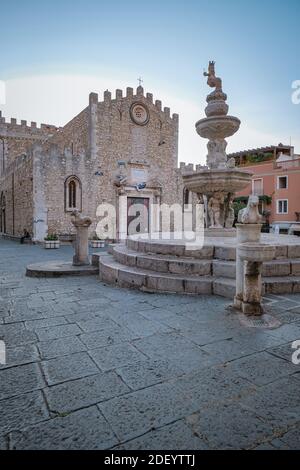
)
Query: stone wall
[
  {"x": 17, "y": 189},
  {"x": 16, "y": 165}
]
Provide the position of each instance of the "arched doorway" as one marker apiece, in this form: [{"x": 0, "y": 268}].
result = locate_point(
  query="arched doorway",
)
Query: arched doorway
[{"x": 2, "y": 214}]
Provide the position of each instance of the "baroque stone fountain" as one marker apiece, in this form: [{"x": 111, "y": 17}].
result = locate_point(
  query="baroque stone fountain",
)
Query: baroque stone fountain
[{"x": 216, "y": 183}]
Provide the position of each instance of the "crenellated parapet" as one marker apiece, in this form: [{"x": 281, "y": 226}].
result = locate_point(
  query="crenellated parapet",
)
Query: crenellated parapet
[
  {"x": 119, "y": 97},
  {"x": 189, "y": 168},
  {"x": 15, "y": 128}
]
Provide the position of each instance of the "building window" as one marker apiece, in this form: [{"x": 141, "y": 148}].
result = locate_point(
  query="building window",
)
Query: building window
[
  {"x": 186, "y": 197},
  {"x": 282, "y": 206},
  {"x": 282, "y": 182},
  {"x": 73, "y": 194},
  {"x": 257, "y": 187}
]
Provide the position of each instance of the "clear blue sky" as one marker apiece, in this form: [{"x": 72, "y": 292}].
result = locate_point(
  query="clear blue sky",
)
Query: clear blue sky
[{"x": 256, "y": 45}]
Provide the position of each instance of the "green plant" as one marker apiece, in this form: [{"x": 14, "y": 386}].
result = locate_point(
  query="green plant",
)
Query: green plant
[
  {"x": 266, "y": 199},
  {"x": 51, "y": 237},
  {"x": 237, "y": 206},
  {"x": 260, "y": 157}
]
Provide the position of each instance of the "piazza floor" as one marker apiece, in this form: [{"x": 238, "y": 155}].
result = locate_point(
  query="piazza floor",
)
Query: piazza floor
[{"x": 90, "y": 366}]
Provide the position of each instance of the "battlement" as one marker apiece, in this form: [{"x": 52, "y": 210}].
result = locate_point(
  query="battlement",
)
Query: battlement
[
  {"x": 23, "y": 126},
  {"x": 187, "y": 168},
  {"x": 118, "y": 96}
]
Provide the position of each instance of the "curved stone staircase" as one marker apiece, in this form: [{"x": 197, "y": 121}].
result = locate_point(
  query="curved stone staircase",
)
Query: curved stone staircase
[{"x": 170, "y": 267}]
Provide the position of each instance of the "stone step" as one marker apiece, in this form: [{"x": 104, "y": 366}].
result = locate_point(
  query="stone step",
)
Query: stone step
[
  {"x": 275, "y": 268},
  {"x": 170, "y": 248},
  {"x": 162, "y": 263},
  {"x": 133, "y": 277},
  {"x": 213, "y": 249},
  {"x": 282, "y": 285},
  {"x": 114, "y": 272},
  {"x": 224, "y": 287}
]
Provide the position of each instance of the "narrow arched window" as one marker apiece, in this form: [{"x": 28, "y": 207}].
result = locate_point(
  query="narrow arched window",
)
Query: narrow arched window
[
  {"x": 2, "y": 156},
  {"x": 186, "y": 197},
  {"x": 73, "y": 194},
  {"x": 2, "y": 214}
]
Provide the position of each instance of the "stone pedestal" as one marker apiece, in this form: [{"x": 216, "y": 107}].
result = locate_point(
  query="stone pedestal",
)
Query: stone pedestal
[
  {"x": 252, "y": 288},
  {"x": 245, "y": 233},
  {"x": 249, "y": 277},
  {"x": 81, "y": 255}
]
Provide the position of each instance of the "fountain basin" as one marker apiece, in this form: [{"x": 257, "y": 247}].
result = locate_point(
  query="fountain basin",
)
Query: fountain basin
[
  {"x": 256, "y": 252},
  {"x": 218, "y": 127},
  {"x": 223, "y": 180}
]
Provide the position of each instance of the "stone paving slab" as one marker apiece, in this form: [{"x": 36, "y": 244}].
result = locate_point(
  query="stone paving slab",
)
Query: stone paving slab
[
  {"x": 18, "y": 380},
  {"x": 278, "y": 402},
  {"x": 107, "y": 337},
  {"x": 228, "y": 350},
  {"x": 177, "y": 350},
  {"x": 73, "y": 366},
  {"x": 148, "y": 372},
  {"x": 215, "y": 385},
  {"x": 60, "y": 331},
  {"x": 60, "y": 347},
  {"x": 285, "y": 351},
  {"x": 20, "y": 355},
  {"x": 228, "y": 426},
  {"x": 88, "y": 391},
  {"x": 291, "y": 439},
  {"x": 262, "y": 368},
  {"x": 16, "y": 335},
  {"x": 21, "y": 411},
  {"x": 83, "y": 430},
  {"x": 148, "y": 408},
  {"x": 166, "y": 371},
  {"x": 44, "y": 323},
  {"x": 171, "y": 437},
  {"x": 117, "y": 355}
]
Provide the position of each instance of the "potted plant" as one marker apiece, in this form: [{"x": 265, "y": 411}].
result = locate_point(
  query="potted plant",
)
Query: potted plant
[
  {"x": 96, "y": 242},
  {"x": 51, "y": 242}
]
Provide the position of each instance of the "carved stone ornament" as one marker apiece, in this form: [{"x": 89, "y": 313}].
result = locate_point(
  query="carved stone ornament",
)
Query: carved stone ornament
[{"x": 139, "y": 114}]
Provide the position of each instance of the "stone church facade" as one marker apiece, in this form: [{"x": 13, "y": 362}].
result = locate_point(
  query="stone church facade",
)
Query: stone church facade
[{"x": 120, "y": 146}]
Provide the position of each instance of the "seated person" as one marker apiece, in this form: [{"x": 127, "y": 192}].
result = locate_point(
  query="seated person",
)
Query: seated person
[{"x": 26, "y": 235}]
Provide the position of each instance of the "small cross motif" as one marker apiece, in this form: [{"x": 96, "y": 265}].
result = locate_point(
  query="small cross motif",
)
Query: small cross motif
[{"x": 140, "y": 81}]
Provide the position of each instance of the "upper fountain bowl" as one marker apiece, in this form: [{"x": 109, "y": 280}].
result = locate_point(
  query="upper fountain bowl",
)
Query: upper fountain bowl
[
  {"x": 224, "y": 180},
  {"x": 218, "y": 127}
]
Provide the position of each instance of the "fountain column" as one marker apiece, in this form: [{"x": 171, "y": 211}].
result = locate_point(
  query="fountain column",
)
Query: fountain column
[{"x": 217, "y": 181}]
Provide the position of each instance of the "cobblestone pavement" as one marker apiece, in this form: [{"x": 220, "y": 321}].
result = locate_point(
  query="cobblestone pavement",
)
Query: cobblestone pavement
[{"x": 90, "y": 366}]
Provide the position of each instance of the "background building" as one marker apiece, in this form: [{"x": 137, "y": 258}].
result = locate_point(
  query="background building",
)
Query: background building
[
  {"x": 122, "y": 146},
  {"x": 276, "y": 179}
]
